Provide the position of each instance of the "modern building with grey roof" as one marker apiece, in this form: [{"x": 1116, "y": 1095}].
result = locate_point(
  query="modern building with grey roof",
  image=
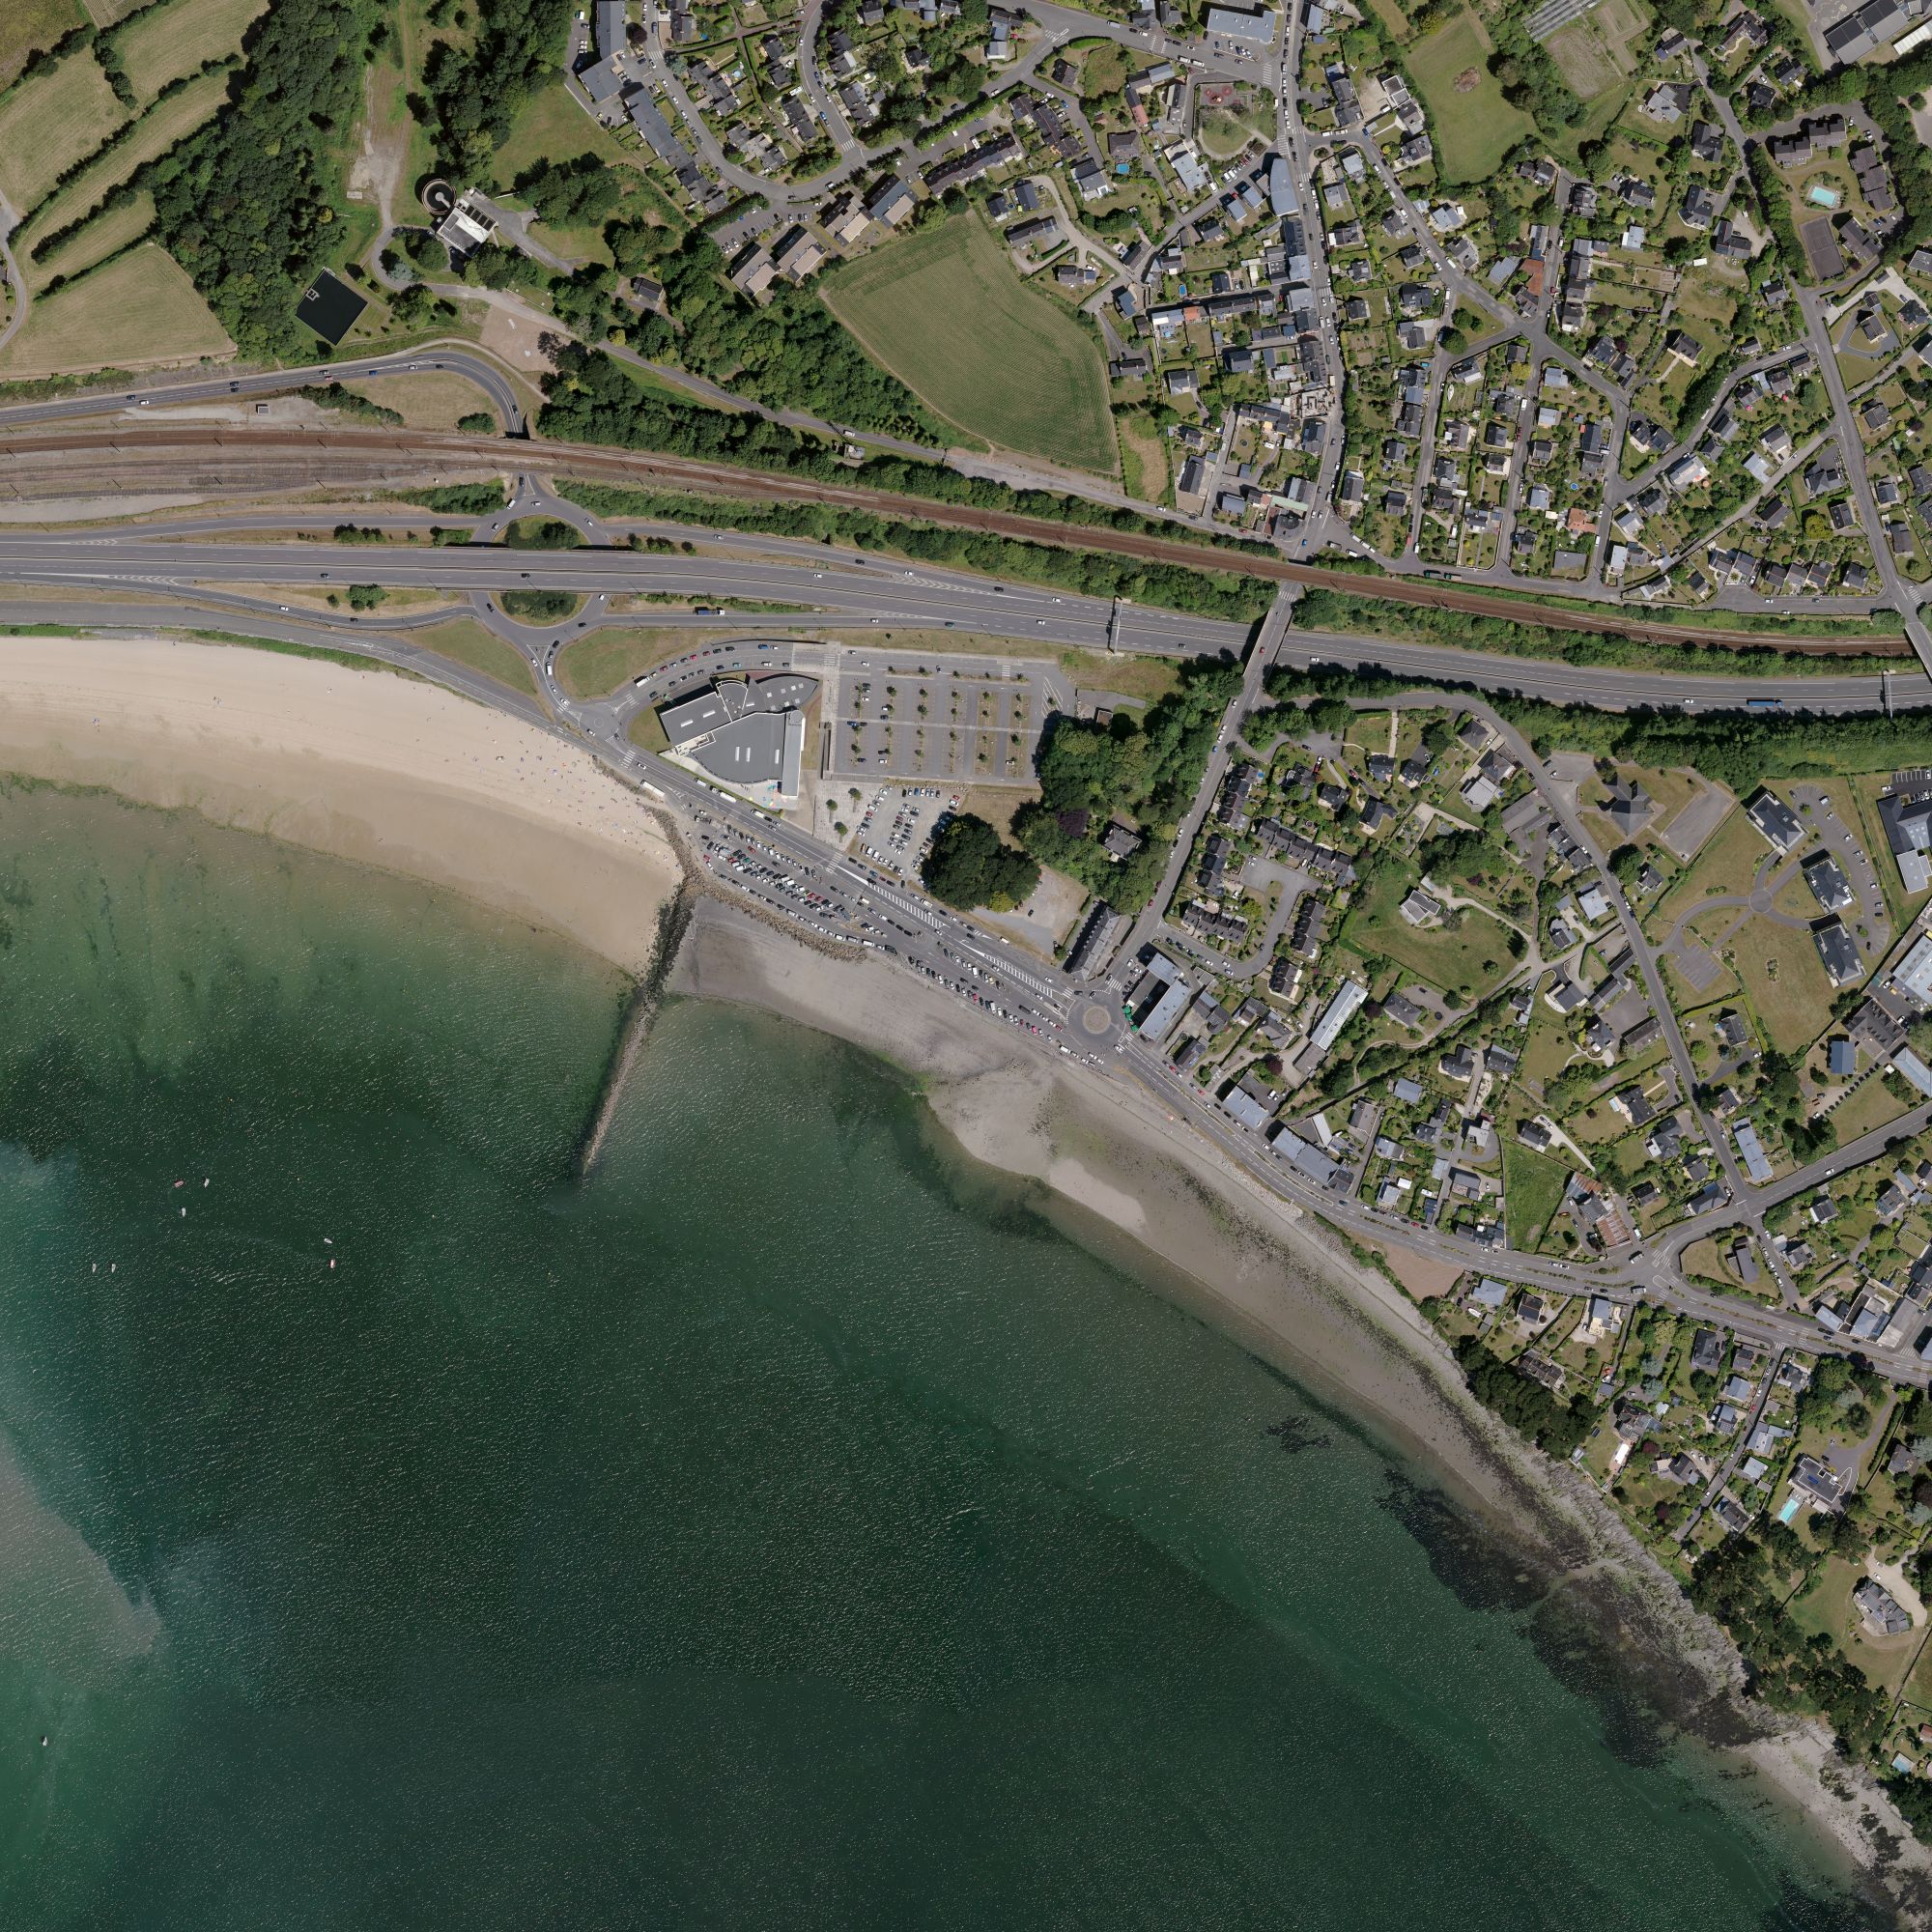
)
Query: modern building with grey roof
[{"x": 749, "y": 734}]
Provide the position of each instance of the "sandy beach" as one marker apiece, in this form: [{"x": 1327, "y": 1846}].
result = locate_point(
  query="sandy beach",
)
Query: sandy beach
[{"x": 364, "y": 765}]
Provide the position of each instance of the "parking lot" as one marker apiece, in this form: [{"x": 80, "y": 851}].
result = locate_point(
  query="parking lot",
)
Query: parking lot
[
  {"x": 895, "y": 823},
  {"x": 950, "y": 721}
]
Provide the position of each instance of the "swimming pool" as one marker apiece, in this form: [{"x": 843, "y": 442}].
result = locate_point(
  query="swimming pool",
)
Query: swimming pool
[
  {"x": 1790, "y": 1508},
  {"x": 1820, "y": 196}
]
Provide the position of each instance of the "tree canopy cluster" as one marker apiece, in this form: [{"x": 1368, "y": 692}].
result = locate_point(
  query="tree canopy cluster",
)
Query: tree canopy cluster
[
  {"x": 1144, "y": 770},
  {"x": 474, "y": 91},
  {"x": 1555, "y": 1426},
  {"x": 968, "y": 864},
  {"x": 246, "y": 203}
]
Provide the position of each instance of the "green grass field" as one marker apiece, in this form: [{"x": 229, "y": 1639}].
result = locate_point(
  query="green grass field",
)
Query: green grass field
[
  {"x": 1464, "y": 958},
  {"x": 1476, "y": 127},
  {"x": 466, "y": 641},
  {"x": 944, "y": 311},
  {"x": 168, "y": 42},
  {"x": 53, "y": 122},
  {"x": 28, "y": 25},
  {"x": 134, "y": 313},
  {"x": 1532, "y": 1189}
]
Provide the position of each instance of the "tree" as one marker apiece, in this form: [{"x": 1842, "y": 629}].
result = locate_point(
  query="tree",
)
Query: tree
[{"x": 969, "y": 865}]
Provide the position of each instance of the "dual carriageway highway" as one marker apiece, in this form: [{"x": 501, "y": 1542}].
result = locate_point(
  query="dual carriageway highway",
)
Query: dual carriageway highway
[{"x": 179, "y": 572}]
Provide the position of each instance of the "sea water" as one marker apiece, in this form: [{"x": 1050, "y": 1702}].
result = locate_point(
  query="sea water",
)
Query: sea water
[{"x": 784, "y": 1527}]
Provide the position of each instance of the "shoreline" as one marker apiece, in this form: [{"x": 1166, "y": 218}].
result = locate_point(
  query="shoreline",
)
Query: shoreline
[
  {"x": 384, "y": 771},
  {"x": 1253, "y": 1267},
  {"x": 413, "y": 780}
]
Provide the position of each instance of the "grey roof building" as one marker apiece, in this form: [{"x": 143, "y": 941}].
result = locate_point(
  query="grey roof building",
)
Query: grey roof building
[{"x": 749, "y": 735}]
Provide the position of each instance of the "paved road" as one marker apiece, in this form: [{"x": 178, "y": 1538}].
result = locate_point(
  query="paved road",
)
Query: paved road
[{"x": 438, "y": 359}]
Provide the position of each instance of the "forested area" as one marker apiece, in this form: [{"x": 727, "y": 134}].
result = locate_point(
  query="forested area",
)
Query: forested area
[
  {"x": 593, "y": 399},
  {"x": 1745, "y": 1583},
  {"x": 969, "y": 865},
  {"x": 246, "y": 204},
  {"x": 1144, "y": 770}
]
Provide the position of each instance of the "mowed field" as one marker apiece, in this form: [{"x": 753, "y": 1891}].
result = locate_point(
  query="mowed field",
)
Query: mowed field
[
  {"x": 134, "y": 313},
  {"x": 28, "y": 25},
  {"x": 1475, "y": 125},
  {"x": 50, "y": 122},
  {"x": 168, "y": 42},
  {"x": 95, "y": 242},
  {"x": 946, "y": 312}
]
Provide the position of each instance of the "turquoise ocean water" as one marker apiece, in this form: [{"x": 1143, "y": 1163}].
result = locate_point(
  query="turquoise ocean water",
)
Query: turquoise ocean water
[{"x": 786, "y": 1527}]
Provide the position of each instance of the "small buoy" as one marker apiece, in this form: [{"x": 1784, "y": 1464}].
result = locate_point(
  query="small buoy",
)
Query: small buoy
[
  {"x": 44, "y": 1741},
  {"x": 184, "y": 1213},
  {"x": 204, "y": 1180},
  {"x": 332, "y": 1262}
]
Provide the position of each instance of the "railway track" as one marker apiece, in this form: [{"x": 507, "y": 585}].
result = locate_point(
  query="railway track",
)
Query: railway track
[{"x": 252, "y": 450}]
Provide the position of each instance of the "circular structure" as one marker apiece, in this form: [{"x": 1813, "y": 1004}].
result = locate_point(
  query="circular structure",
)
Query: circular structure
[
  {"x": 1095, "y": 1020},
  {"x": 437, "y": 196}
]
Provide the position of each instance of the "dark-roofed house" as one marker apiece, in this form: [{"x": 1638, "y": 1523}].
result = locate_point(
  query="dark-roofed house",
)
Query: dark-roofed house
[{"x": 1775, "y": 819}]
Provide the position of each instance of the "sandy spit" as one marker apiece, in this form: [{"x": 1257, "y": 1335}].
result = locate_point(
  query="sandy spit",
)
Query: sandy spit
[
  {"x": 363, "y": 766},
  {"x": 1256, "y": 1268}
]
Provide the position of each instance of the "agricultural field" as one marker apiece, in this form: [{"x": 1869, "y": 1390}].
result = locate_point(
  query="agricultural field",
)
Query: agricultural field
[
  {"x": 99, "y": 238},
  {"x": 28, "y": 25},
  {"x": 944, "y": 311},
  {"x": 138, "y": 312},
  {"x": 50, "y": 122},
  {"x": 1598, "y": 55},
  {"x": 168, "y": 42},
  {"x": 170, "y": 122},
  {"x": 1474, "y": 124}
]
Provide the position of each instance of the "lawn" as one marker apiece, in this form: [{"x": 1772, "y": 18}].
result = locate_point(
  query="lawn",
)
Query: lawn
[
  {"x": 467, "y": 642},
  {"x": 1474, "y": 124},
  {"x": 1725, "y": 867},
  {"x": 430, "y": 400},
  {"x": 28, "y": 25},
  {"x": 55, "y": 120},
  {"x": 1143, "y": 457},
  {"x": 1532, "y": 1189},
  {"x": 1780, "y": 970},
  {"x": 944, "y": 311},
  {"x": 160, "y": 129},
  {"x": 135, "y": 313},
  {"x": 1466, "y": 958},
  {"x": 168, "y": 42}
]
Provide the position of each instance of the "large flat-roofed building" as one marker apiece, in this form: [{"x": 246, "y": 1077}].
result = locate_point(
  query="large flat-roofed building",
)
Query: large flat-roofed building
[
  {"x": 1907, "y": 817},
  {"x": 746, "y": 734},
  {"x": 1160, "y": 999},
  {"x": 1254, "y": 25},
  {"x": 1914, "y": 972}
]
